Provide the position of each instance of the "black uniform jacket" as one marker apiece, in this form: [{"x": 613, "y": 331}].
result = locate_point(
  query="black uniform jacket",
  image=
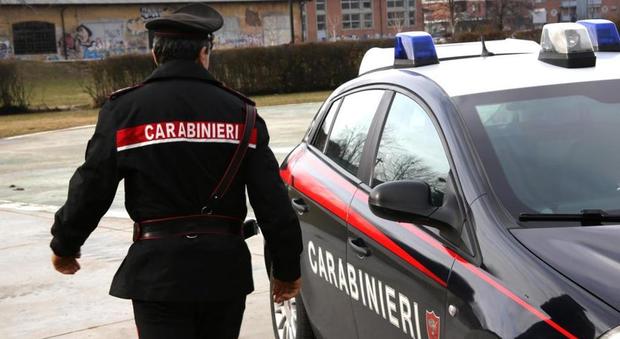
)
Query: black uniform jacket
[{"x": 171, "y": 139}]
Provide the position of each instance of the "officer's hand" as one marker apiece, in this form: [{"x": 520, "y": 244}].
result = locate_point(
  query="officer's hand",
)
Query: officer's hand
[
  {"x": 285, "y": 290},
  {"x": 65, "y": 265}
]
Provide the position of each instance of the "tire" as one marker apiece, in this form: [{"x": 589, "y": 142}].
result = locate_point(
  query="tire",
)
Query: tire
[
  {"x": 294, "y": 308},
  {"x": 290, "y": 320}
]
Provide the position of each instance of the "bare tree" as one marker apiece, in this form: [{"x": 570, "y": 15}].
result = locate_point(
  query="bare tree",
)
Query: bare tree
[
  {"x": 502, "y": 12},
  {"x": 450, "y": 11},
  {"x": 397, "y": 23},
  {"x": 347, "y": 147},
  {"x": 332, "y": 28},
  {"x": 452, "y": 15}
]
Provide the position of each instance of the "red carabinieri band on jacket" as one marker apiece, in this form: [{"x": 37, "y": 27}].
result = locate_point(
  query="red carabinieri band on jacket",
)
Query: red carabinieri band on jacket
[{"x": 181, "y": 131}]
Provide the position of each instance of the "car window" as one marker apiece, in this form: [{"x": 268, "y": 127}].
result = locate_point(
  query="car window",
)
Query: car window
[
  {"x": 350, "y": 131},
  {"x": 321, "y": 136},
  {"x": 411, "y": 149},
  {"x": 549, "y": 149}
]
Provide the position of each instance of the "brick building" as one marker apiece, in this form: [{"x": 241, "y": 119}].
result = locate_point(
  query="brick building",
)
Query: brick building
[
  {"x": 467, "y": 15},
  {"x": 94, "y": 29},
  {"x": 360, "y": 19},
  {"x": 550, "y": 11},
  {"x": 512, "y": 15}
]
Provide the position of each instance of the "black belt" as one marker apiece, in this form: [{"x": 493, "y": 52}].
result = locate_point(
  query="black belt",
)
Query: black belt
[{"x": 188, "y": 226}]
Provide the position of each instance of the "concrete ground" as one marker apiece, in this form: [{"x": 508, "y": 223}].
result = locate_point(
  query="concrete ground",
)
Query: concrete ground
[{"x": 38, "y": 302}]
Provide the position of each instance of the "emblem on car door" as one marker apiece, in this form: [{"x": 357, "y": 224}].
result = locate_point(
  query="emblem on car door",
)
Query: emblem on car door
[{"x": 432, "y": 325}]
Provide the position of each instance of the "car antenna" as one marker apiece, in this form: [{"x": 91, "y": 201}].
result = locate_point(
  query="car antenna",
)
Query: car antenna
[{"x": 485, "y": 51}]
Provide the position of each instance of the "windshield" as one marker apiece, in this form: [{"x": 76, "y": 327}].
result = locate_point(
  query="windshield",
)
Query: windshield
[{"x": 553, "y": 149}]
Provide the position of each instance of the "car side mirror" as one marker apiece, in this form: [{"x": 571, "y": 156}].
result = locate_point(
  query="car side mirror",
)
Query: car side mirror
[
  {"x": 406, "y": 200},
  {"x": 410, "y": 201}
]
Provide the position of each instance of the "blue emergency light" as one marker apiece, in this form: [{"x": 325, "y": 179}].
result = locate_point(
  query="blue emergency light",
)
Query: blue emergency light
[
  {"x": 414, "y": 49},
  {"x": 604, "y": 34}
]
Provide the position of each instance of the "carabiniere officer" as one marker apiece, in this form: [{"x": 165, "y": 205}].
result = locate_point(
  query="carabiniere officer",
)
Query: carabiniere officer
[{"x": 182, "y": 143}]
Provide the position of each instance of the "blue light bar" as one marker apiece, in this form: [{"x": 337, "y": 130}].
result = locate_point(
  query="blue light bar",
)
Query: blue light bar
[
  {"x": 604, "y": 34},
  {"x": 414, "y": 49}
]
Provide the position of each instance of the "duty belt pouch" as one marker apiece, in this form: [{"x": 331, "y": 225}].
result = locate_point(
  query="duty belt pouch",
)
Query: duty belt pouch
[{"x": 235, "y": 162}]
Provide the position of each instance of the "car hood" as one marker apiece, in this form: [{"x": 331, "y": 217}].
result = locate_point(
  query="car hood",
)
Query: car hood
[{"x": 590, "y": 256}]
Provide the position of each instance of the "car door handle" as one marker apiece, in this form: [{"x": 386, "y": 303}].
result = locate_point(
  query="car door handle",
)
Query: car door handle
[
  {"x": 299, "y": 205},
  {"x": 359, "y": 246}
]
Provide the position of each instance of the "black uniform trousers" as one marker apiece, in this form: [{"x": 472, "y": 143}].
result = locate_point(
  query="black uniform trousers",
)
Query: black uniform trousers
[{"x": 189, "y": 320}]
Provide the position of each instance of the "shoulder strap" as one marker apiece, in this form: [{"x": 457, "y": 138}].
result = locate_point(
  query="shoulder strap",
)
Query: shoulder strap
[
  {"x": 236, "y": 93},
  {"x": 123, "y": 91},
  {"x": 235, "y": 162}
]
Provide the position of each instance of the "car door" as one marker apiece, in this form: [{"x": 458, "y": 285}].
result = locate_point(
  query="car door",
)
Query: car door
[
  {"x": 400, "y": 274},
  {"x": 323, "y": 182}
]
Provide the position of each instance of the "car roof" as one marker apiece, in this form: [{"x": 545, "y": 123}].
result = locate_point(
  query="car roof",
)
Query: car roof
[
  {"x": 466, "y": 72},
  {"x": 504, "y": 72}
]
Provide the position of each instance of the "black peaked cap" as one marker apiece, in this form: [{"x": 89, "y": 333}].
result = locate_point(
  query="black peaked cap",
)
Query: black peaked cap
[{"x": 198, "y": 18}]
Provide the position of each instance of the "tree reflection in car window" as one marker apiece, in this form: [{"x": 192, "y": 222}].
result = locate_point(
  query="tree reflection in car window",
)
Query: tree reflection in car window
[
  {"x": 348, "y": 136},
  {"x": 410, "y": 149},
  {"x": 321, "y": 136}
]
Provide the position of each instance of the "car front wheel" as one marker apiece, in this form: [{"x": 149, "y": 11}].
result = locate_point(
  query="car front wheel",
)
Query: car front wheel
[{"x": 289, "y": 319}]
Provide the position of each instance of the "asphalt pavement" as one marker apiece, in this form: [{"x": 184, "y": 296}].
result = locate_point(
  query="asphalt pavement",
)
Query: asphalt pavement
[{"x": 38, "y": 302}]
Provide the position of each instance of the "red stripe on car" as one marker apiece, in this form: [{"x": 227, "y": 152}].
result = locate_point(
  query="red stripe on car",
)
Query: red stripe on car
[
  {"x": 362, "y": 196},
  {"x": 305, "y": 183},
  {"x": 309, "y": 186}
]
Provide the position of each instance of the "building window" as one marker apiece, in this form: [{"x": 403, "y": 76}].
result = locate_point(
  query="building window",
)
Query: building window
[
  {"x": 568, "y": 14},
  {"x": 34, "y": 37},
  {"x": 351, "y": 21},
  {"x": 594, "y": 11},
  {"x": 401, "y": 13},
  {"x": 320, "y": 22},
  {"x": 304, "y": 21},
  {"x": 321, "y": 15},
  {"x": 356, "y": 14}
]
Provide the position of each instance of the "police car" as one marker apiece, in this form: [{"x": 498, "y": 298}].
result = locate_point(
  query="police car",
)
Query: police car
[{"x": 464, "y": 191}]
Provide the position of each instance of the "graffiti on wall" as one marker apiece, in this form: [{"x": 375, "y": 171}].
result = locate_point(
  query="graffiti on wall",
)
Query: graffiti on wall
[
  {"x": 5, "y": 42},
  {"x": 5, "y": 48},
  {"x": 94, "y": 40},
  {"x": 104, "y": 38},
  {"x": 136, "y": 36},
  {"x": 148, "y": 13},
  {"x": 277, "y": 30},
  {"x": 271, "y": 30},
  {"x": 252, "y": 18},
  {"x": 231, "y": 35},
  {"x": 97, "y": 40},
  {"x": 100, "y": 39}
]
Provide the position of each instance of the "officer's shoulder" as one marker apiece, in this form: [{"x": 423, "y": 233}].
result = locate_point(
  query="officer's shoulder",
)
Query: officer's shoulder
[
  {"x": 236, "y": 93},
  {"x": 117, "y": 94}
]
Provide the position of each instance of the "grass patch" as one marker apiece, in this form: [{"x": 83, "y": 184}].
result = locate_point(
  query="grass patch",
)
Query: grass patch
[
  {"x": 291, "y": 98},
  {"x": 11, "y": 125},
  {"x": 56, "y": 84},
  {"x": 60, "y": 85},
  {"x": 17, "y": 124}
]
